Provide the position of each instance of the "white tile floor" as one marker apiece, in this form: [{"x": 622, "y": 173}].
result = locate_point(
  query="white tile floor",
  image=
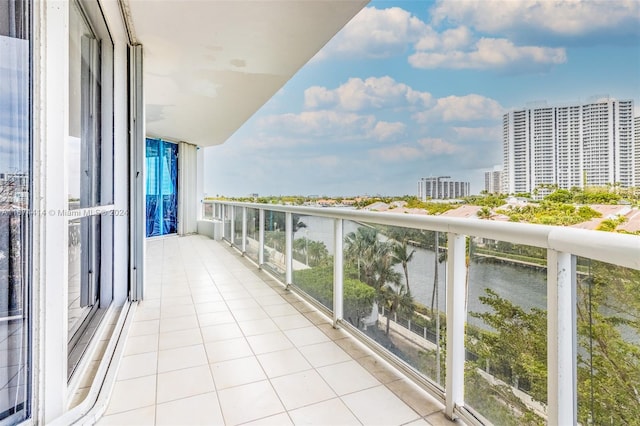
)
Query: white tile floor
[{"x": 217, "y": 342}]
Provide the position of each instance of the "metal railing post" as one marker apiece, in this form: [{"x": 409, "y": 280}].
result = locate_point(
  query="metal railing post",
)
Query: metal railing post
[
  {"x": 338, "y": 273},
  {"x": 244, "y": 230},
  {"x": 456, "y": 316},
  {"x": 260, "y": 238},
  {"x": 232, "y": 218},
  {"x": 561, "y": 339},
  {"x": 224, "y": 214},
  {"x": 288, "y": 229}
]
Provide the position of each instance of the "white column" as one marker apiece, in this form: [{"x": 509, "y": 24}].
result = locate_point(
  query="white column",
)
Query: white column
[
  {"x": 288, "y": 255},
  {"x": 338, "y": 273},
  {"x": 456, "y": 317},
  {"x": 50, "y": 231},
  {"x": 561, "y": 339}
]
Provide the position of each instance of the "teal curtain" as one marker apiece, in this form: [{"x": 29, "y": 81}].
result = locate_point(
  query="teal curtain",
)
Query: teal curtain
[{"x": 161, "y": 187}]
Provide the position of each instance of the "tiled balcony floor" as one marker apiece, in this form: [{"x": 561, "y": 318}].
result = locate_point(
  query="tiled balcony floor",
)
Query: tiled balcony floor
[{"x": 217, "y": 342}]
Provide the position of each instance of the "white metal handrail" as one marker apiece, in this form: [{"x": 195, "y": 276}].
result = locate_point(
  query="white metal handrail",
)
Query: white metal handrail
[
  {"x": 609, "y": 247},
  {"x": 563, "y": 244}
]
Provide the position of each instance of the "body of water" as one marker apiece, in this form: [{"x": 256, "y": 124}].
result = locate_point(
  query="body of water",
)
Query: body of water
[{"x": 523, "y": 286}]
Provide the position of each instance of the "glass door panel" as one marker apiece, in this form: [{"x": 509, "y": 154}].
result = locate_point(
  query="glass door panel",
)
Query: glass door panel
[
  {"x": 161, "y": 187},
  {"x": 15, "y": 222}
]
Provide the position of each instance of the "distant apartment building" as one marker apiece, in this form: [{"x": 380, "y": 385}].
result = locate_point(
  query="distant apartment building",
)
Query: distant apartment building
[
  {"x": 569, "y": 146},
  {"x": 493, "y": 181},
  {"x": 439, "y": 188}
]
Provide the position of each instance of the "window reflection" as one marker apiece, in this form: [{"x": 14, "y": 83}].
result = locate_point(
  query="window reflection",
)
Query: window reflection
[
  {"x": 15, "y": 140},
  {"x": 83, "y": 143}
]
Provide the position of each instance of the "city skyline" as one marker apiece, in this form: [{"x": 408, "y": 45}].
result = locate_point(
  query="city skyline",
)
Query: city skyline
[{"x": 417, "y": 89}]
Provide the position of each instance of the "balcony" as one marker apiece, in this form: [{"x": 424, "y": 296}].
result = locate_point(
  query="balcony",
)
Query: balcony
[
  {"x": 337, "y": 316},
  {"x": 217, "y": 341}
]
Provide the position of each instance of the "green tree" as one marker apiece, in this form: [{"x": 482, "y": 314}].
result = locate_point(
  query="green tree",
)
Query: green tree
[
  {"x": 403, "y": 255},
  {"x": 375, "y": 260},
  {"x": 484, "y": 213},
  {"x": 560, "y": 196},
  {"x": 318, "y": 253},
  {"x": 609, "y": 359},
  {"x": 517, "y": 348},
  {"x": 396, "y": 299},
  {"x": 608, "y": 326}
]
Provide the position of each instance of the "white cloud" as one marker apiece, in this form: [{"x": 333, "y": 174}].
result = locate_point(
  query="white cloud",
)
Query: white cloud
[
  {"x": 290, "y": 129},
  {"x": 461, "y": 108},
  {"x": 375, "y": 33},
  {"x": 374, "y": 92},
  {"x": 384, "y": 130},
  {"x": 564, "y": 18},
  {"x": 438, "y": 146},
  {"x": 453, "y": 38},
  {"x": 488, "y": 53},
  {"x": 318, "y": 123},
  {"x": 383, "y": 33},
  {"x": 317, "y": 96},
  {"x": 423, "y": 148},
  {"x": 476, "y": 134},
  {"x": 397, "y": 153}
]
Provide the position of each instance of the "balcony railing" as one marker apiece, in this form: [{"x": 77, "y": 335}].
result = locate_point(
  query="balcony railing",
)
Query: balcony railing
[{"x": 506, "y": 323}]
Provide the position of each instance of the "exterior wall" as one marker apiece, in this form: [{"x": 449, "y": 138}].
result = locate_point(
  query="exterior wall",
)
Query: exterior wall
[
  {"x": 569, "y": 154},
  {"x": 493, "y": 182},
  {"x": 569, "y": 146}
]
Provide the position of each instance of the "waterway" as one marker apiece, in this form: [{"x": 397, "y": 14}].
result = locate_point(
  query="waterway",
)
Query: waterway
[{"x": 523, "y": 286}]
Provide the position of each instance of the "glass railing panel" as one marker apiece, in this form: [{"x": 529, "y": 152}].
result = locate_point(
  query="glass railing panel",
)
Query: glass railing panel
[
  {"x": 402, "y": 304},
  {"x": 226, "y": 222},
  {"x": 237, "y": 227},
  {"x": 207, "y": 211},
  {"x": 274, "y": 243},
  {"x": 506, "y": 334},
  {"x": 253, "y": 234},
  {"x": 608, "y": 329},
  {"x": 313, "y": 254}
]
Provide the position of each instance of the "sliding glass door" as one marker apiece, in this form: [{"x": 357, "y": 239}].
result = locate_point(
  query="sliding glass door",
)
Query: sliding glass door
[
  {"x": 15, "y": 204},
  {"x": 89, "y": 152}
]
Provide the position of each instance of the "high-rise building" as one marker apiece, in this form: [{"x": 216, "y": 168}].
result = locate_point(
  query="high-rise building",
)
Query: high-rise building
[
  {"x": 439, "y": 188},
  {"x": 493, "y": 181},
  {"x": 569, "y": 146},
  {"x": 636, "y": 143}
]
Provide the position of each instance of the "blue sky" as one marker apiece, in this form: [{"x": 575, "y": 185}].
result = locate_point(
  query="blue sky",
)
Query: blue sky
[{"x": 412, "y": 89}]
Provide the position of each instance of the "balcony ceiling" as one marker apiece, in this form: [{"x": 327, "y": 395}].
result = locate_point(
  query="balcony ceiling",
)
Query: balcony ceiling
[{"x": 209, "y": 65}]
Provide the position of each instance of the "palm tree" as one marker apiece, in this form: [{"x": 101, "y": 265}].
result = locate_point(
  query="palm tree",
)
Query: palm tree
[
  {"x": 484, "y": 213},
  {"x": 361, "y": 246},
  {"x": 396, "y": 299},
  {"x": 401, "y": 254},
  {"x": 300, "y": 247},
  {"x": 297, "y": 224},
  {"x": 318, "y": 252},
  {"x": 375, "y": 260}
]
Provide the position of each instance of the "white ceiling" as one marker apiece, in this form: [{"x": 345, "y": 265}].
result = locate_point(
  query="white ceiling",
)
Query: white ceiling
[{"x": 210, "y": 64}]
